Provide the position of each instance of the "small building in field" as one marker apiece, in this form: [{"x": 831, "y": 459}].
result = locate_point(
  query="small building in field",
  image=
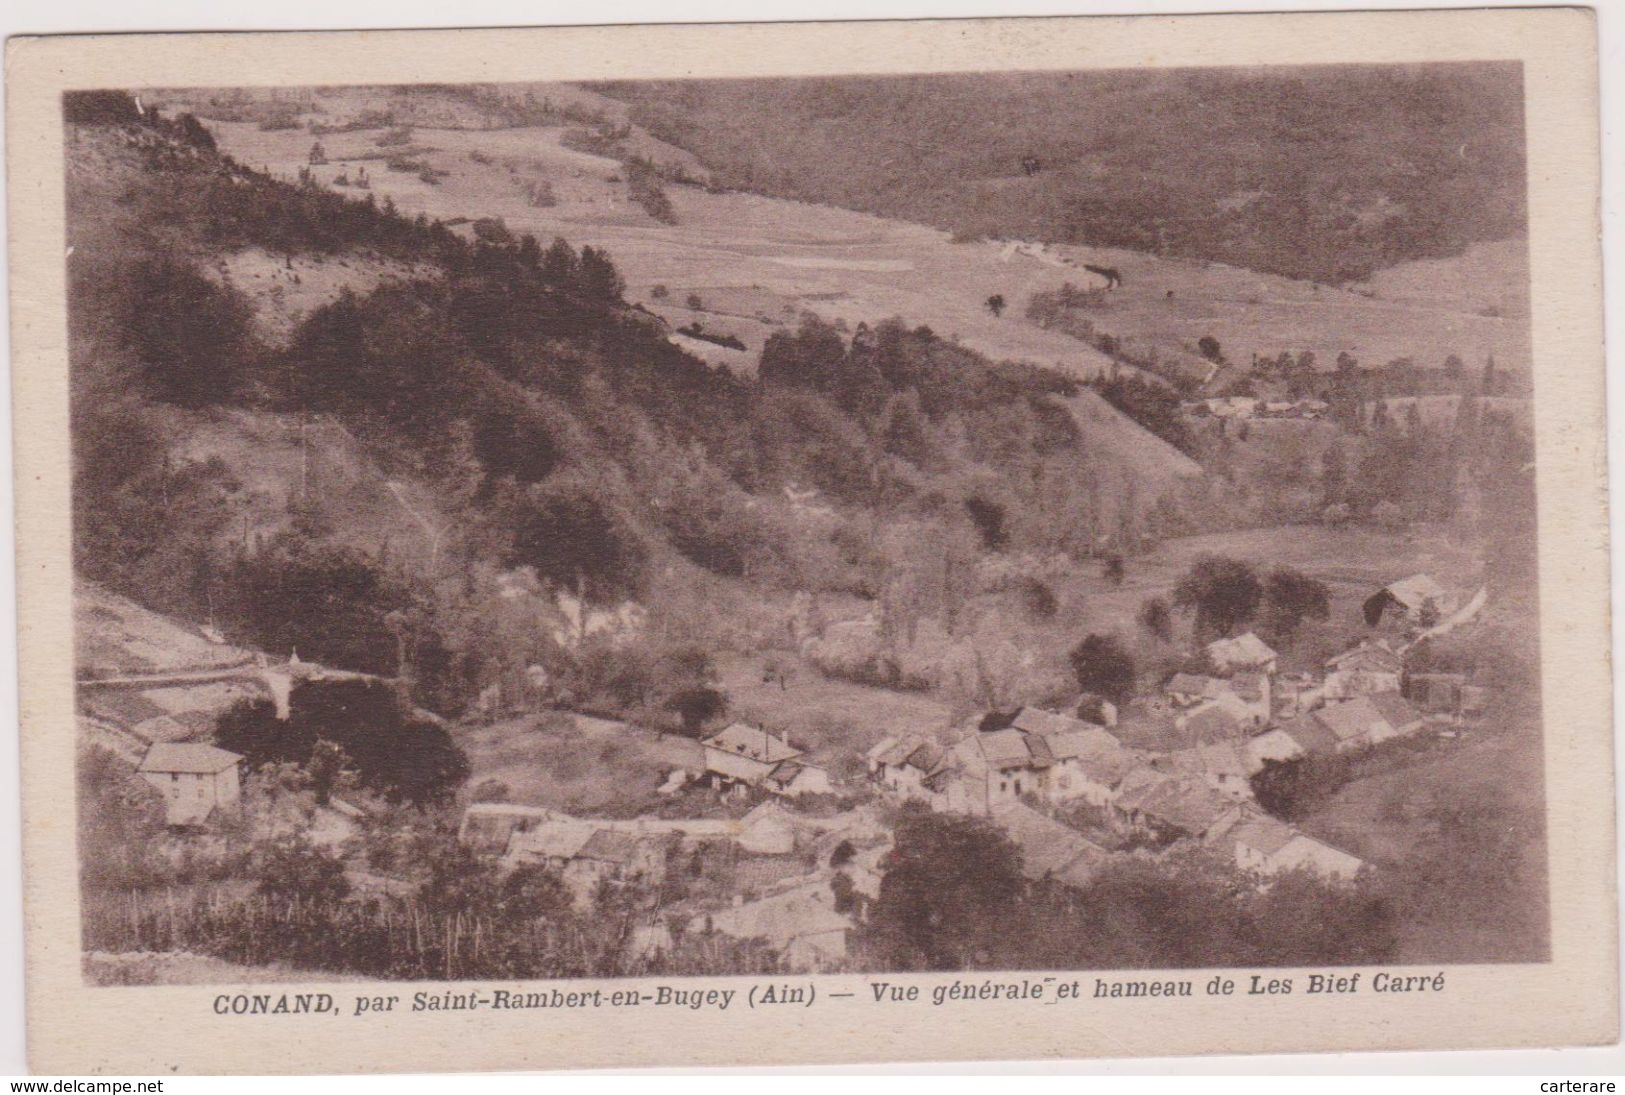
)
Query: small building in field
[
  {"x": 1240, "y": 654},
  {"x": 1371, "y": 667},
  {"x": 1418, "y": 599},
  {"x": 195, "y": 780}
]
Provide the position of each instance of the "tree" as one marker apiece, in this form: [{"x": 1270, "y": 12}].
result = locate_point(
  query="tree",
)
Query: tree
[
  {"x": 491, "y": 790},
  {"x": 530, "y": 892},
  {"x": 294, "y": 868},
  {"x": 1290, "y": 597},
  {"x": 1294, "y": 789},
  {"x": 327, "y": 762},
  {"x": 995, "y": 304},
  {"x": 952, "y": 887},
  {"x": 696, "y": 707},
  {"x": 1103, "y": 664},
  {"x": 559, "y": 264},
  {"x": 1157, "y": 618},
  {"x": 1429, "y": 616},
  {"x": 121, "y": 823},
  {"x": 1333, "y": 473},
  {"x": 988, "y": 517},
  {"x": 1209, "y": 347},
  {"x": 1224, "y": 592},
  {"x": 192, "y": 338},
  {"x": 597, "y": 277},
  {"x": 1113, "y": 569}
]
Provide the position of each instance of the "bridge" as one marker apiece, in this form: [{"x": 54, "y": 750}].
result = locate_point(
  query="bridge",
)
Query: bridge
[{"x": 278, "y": 679}]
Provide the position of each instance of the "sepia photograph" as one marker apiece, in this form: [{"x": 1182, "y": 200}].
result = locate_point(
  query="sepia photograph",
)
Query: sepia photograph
[
  {"x": 889, "y": 524},
  {"x": 1078, "y": 520}
]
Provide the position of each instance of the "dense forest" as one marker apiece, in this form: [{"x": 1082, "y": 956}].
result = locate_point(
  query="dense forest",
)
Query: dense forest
[{"x": 1325, "y": 174}]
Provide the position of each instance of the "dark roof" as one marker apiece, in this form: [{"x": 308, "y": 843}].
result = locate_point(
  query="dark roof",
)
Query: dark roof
[
  {"x": 1310, "y": 733},
  {"x": 1189, "y": 684},
  {"x": 1371, "y": 657},
  {"x": 1351, "y": 719},
  {"x": 1212, "y": 722},
  {"x": 1394, "y": 708}
]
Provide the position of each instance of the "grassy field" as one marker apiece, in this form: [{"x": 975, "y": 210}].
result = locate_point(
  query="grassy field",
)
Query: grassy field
[
  {"x": 1464, "y": 829},
  {"x": 1170, "y": 303},
  {"x": 835, "y": 719},
  {"x": 574, "y": 763},
  {"x": 1353, "y": 561},
  {"x": 754, "y": 263}
]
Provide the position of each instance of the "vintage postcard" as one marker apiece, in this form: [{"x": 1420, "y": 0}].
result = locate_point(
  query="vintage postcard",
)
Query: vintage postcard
[{"x": 812, "y": 543}]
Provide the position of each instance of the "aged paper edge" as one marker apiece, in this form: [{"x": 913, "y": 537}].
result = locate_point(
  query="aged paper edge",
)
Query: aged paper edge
[{"x": 1573, "y": 999}]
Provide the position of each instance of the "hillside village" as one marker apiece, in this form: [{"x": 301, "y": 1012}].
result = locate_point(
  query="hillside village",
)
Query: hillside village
[
  {"x": 736, "y": 584},
  {"x": 809, "y": 852}
]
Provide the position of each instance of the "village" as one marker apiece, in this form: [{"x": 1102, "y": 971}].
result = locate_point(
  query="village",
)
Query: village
[
  {"x": 724, "y": 620},
  {"x": 801, "y": 854}
]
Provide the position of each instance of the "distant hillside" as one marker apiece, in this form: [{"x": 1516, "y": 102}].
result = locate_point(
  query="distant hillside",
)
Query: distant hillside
[
  {"x": 1325, "y": 174},
  {"x": 406, "y": 448}
]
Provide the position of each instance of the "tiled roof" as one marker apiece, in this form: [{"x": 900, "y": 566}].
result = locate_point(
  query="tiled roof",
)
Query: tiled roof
[
  {"x": 610, "y": 846},
  {"x": 1212, "y": 721},
  {"x": 1243, "y": 650},
  {"x": 1264, "y": 835},
  {"x": 1048, "y": 848},
  {"x": 1006, "y": 749},
  {"x": 1395, "y": 709},
  {"x": 1035, "y": 720},
  {"x": 1307, "y": 852},
  {"x": 553, "y": 840},
  {"x": 1190, "y": 684},
  {"x": 1370, "y": 657},
  {"x": 1351, "y": 719},
  {"x": 1417, "y": 590},
  {"x": 806, "y": 909},
  {"x": 1310, "y": 733},
  {"x": 753, "y": 743},
  {"x": 1186, "y": 805},
  {"x": 187, "y": 757}
]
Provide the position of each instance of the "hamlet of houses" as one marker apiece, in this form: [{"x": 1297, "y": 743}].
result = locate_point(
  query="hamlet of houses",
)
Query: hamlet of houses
[
  {"x": 1071, "y": 789},
  {"x": 1067, "y": 789}
]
